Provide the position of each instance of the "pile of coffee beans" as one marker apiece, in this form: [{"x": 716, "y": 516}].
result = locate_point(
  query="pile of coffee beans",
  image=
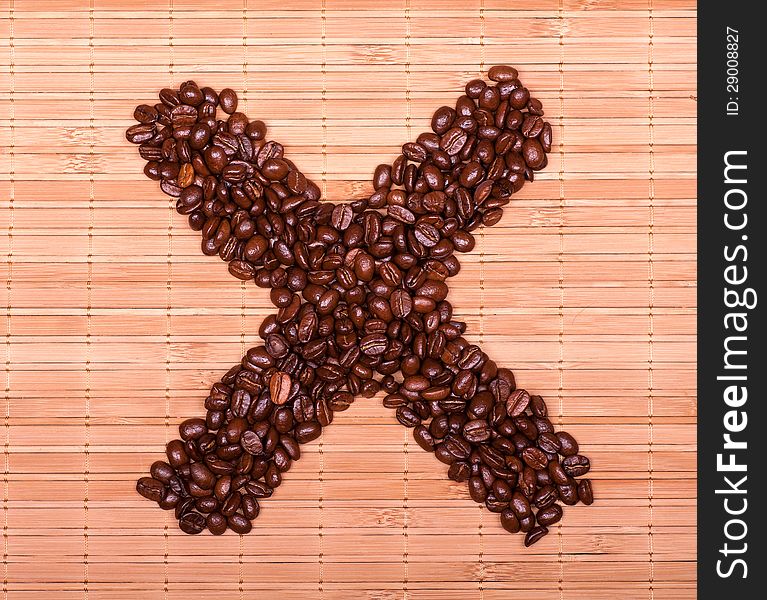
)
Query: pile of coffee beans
[{"x": 360, "y": 291}]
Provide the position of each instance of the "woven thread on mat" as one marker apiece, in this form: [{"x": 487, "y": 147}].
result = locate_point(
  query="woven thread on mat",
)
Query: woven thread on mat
[
  {"x": 405, "y": 481},
  {"x": 168, "y": 313},
  {"x": 9, "y": 281},
  {"x": 240, "y": 556},
  {"x": 650, "y": 311},
  {"x": 324, "y": 178},
  {"x": 560, "y": 258},
  {"x": 89, "y": 286},
  {"x": 480, "y": 524}
]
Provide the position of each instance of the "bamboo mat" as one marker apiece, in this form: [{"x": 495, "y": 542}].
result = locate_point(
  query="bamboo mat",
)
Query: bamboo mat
[{"x": 116, "y": 325}]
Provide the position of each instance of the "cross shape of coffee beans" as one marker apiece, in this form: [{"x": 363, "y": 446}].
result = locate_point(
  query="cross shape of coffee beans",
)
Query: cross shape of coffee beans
[{"x": 360, "y": 290}]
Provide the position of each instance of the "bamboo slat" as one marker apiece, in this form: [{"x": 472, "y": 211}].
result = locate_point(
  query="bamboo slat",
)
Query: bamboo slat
[{"x": 116, "y": 325}]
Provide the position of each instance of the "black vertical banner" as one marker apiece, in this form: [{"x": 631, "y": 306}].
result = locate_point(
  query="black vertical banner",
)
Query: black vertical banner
[{"x": 731, "y": 270}]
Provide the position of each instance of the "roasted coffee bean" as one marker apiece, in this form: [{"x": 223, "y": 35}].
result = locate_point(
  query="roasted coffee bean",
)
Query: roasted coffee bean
[
  {"x": 502, "y": 73},
  {"x": 568, "y": 494},
  {"x": 557, "y": 473},
  {"x": 192, "y": 523},
  {"x": 308, "y": 431},
  {"x": 279, "y": 387},
  {"x": 477, "y": 489},
  {"x": 150, "y": 488},
  {"x": 239, "y": 523},
  {"x": 459, "y": 471},
  {"x": 162, "y": 471},
  {"x": 520, "y": 505},
  {"x": 476, "y": 431},
  {"x": 545, "y": 496},
  {"x": 576, "y": 465},
  {"x": 585, "y": 493},
  {"x": 548, "y": 442},
  {"x": 535, "y": 534},
  {"x": 549, "y": 515},
  {"x": 216, "y": 523},
  {"x": 138, "y": 134},
  {"x": 227, "y": 99},
  {"x": 192, "y": 429},
  {"x": 569, "y": 446},
  {"x": 251, "y": 443},
  {"x": 509, "y": 521},
  {"x": 517, "y": 403}
]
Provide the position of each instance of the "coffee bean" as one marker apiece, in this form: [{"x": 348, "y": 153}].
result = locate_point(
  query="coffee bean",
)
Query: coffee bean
[
  {"x": 548, "y": 442},
  {"x": 476, "y": 431},
  {"x": 227, "y": 98},
  {"x": 306, "y": 432},
  {"x": 162, "y": 471},
  {"x": 138, "y": 134},
  {"x": 535, "y": 534},
  {"x": 502, "y": 73},
  {"x": 239, "y": 523},
  {"x": 569, "y": 446},
  {"x": 577, "y": 465},
  {"x": 517, "y": 403},
  {"x": 520, "y": 505},
  {"x": 192, "y": 429},
  {"x": 192, "y": 523},
  {"x": 545, "y": 496},
  {"x": 150, "y": 488},
  {"x": 279, "y": 388},
  {"x": 585, "y": 493},
  {"x": 549, "y": 515},
  {"x": 216, "y": 523},
  {"x": 459, "y": 471},
  {"x": 509, "y": 521}
]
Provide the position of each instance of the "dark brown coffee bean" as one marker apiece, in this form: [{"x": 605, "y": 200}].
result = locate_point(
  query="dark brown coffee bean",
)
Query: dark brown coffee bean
[
  {"x": 308, "y": 431},
  {"x": 549, "y": 515},
  {"x": 517, "y": 403},
  {"x": 216, "y": 523},
  {"x": 258, "y": 489},
  {"x": 459, "y": 471},
  {"x": 509, "y": 521},
  {"x": 192, "y": 429},
  {"x": 568, "y": 494},
  {"x": 138, "y": 134},
  {"x": 557, "y": 473},
  {"x": 585, "y": 494},
  {"x": 150, "y": 488},
  {"x": 202, "y": 476},
  {"x": 453, "y": 141},
  {"x": 477, "y": 489},
  {"x": 548, "y": 442},
  {"x": 577, "y": 465},
  {"x": 569, "y": 446},
  {"x": 251, "y": 443},
  {"x": 239, "y": 523},
  {"x": 502, "y": 73},
  {"x": 545, "y": 496},
  {"x": 520, "y": 505},
  {"x": 535, "y": 535},
  {"x": 227, "y": 99},
  {"x": 535, "y": 458},
  {"x": 162, "y": 471},
  {"x": 192, "y": 523},
  {"x": 476, "y": 431}
]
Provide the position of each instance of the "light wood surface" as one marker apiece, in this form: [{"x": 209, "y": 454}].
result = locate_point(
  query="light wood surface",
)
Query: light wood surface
[{"x": 116, "y": 325}]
